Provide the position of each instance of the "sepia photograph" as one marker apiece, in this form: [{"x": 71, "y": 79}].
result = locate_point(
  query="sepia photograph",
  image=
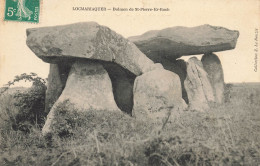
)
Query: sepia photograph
[{"x": 129, "y": 83}]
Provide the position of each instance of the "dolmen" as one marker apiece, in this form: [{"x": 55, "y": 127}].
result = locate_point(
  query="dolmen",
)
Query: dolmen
[
  {"x": 97, "y": 69},
  {"x": 202, "y": 80}
]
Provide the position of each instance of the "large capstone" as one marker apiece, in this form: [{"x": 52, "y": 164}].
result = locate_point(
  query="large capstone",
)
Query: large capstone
[
  {"x": 87, "y": 40},
  {"x": 175, "y": 42},
  {"x": 197, "y": 85},
  {"x": 88, "y": 87},
  {"x": 213, "y": 67},
  {"x": 157, "y": 93}
]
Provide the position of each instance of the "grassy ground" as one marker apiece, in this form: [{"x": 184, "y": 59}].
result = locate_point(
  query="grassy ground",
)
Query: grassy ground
[{"x": 225, "y": 135}]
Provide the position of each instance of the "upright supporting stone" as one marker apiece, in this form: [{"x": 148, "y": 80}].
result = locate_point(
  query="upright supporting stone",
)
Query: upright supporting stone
[
  {"x": 213, "y": 67},
  {"x": 178, "y": 67},
  {"x": 56, "y": 82},
  {"x": 197, "y": 85},
  {"x": 156, "y": 93},
  {"x": 88, "y": 88}
]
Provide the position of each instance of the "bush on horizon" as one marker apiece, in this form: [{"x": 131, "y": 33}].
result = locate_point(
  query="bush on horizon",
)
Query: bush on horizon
[{"x": 29, "y": 104}]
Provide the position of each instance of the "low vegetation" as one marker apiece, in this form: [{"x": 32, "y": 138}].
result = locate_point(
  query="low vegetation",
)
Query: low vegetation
[
  {"x": 224, "y": 135},
  {"x": 20, "y": 107}
]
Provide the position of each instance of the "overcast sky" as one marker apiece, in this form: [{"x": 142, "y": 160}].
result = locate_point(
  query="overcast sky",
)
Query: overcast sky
[{"x": 242, "y": 15}]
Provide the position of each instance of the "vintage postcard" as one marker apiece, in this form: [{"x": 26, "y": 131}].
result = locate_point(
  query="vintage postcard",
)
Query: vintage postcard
[{"x": 133, "y": 82}]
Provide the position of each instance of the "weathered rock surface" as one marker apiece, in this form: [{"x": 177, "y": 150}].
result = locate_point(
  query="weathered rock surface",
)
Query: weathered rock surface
[
  {"x": 178, "y": 41},
  {"x": 87, "y": 40},
  {"x": 88, "y": 87},
  {"x": 156, "y": 93},
  {"x": 213, "y": 67},
  {"x": 56, "y": 82},
  {"x": 179, "y": 67},
  {"x": 197, "y": 85}
]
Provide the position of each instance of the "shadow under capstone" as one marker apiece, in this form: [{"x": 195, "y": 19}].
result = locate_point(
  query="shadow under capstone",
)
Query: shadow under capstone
[{"x": 123, "y": 84}]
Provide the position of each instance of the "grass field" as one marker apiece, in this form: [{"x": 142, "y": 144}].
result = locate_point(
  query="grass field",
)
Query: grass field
[{"x": 225, "y": 135}]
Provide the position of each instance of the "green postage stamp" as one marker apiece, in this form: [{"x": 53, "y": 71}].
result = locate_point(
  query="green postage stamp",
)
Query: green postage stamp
[{"x": 22, "y": 10}]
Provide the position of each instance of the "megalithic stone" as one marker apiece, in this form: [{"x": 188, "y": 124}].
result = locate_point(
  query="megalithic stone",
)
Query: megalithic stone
[
  {"x": 175, "y": 42},
  {"x": 156, "y": 93},
  {"x": 57, "y": 78},
  {"x": 87, "y": 40},
  {"x": 213, "y": 67},
  {"x": 197, "y": 86},
  {"x": 178, "y": 67},
  {"x": 88, "y": 87}
]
